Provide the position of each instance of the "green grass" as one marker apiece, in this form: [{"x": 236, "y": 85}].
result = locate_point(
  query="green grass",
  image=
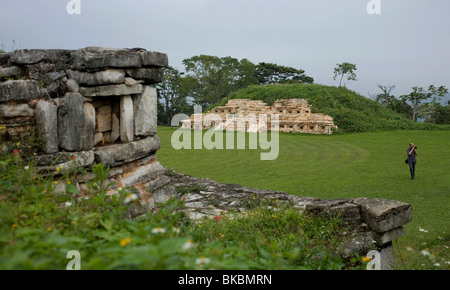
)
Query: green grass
[{"x": 345, "y": 166}]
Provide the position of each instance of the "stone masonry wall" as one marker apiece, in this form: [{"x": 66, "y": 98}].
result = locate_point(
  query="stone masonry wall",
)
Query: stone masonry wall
[
  {"x": 374, "y": 223},
  {"x": 295, "y": 116},
  {"x": 88, "y": 106}
]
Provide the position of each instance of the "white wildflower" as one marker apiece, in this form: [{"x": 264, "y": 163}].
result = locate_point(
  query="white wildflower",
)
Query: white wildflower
[
  {"x": 158, "y": 230},
  {"x": 130, "y": 198},
  {"x": 67, "y": 204},
  {"x": 202, "y": 261},
  {"x": 189, "y": 244},
  {"x": 425, "y": 253},
  {"x": 26, "y": 167}
]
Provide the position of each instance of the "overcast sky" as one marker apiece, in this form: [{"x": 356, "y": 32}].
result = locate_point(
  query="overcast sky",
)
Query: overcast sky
[{"x": 408, "y": 44}]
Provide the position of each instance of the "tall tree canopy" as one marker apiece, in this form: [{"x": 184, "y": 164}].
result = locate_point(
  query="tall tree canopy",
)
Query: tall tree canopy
[
  {"x": 419, "y": 95},
  {"x": 269, "y": 73},
  {"x": 209, "y": 79},
  {"x": 172, "y": 98}
]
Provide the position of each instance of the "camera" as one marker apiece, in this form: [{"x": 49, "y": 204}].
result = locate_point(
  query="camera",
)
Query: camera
[{"x": 415, "y": 147}]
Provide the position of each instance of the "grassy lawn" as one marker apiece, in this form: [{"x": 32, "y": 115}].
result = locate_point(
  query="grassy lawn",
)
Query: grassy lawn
[{"x": 346, "y": 166}]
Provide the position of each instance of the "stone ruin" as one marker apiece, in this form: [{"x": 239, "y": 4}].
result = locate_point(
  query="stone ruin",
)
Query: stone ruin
[
  {"x": 92, "y": 105},
  {"x": 294, "y": 116},
  {"x": 98, "y": 105},
  {"x": 374, "y": 223}
]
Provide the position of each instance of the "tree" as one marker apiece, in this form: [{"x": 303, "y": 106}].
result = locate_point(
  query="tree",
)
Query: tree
[
  {"x": 440, "y": 114},
  {"x": 209, "y": 79},
  {"x": 345, "y": 69},
  {"x": 419, "y": 95},
  {"x": 385, "y": 98},
  {"x": 172, "y": 99},
  {"x": 269, "y": 73}
]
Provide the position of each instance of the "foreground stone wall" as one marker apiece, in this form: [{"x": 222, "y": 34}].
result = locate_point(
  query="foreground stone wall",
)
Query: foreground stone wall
[
  {"x": 87, "y": 106},
  {"x": 294, "y": 116},
  {"x": 375, "y": 223}
]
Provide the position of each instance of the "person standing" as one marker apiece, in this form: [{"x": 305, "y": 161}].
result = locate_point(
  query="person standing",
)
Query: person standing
[{"x": 412, "y": 153}]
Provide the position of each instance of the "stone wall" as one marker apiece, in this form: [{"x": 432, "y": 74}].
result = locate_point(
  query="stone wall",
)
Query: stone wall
[
  {"x": 294, "y": 116},
  {"x": 374, "y": 223},
  {"x": 87, "y": 106}
]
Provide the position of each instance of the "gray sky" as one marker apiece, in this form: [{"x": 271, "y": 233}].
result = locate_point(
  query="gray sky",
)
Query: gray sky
[{"x": 408, "y": 44}]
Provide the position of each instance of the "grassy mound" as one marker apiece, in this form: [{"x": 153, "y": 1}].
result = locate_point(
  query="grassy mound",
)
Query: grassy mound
[{"x": 351, "y": 111}]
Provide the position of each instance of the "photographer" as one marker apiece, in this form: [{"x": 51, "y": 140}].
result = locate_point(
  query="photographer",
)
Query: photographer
[{"x": 412, "y": 153}]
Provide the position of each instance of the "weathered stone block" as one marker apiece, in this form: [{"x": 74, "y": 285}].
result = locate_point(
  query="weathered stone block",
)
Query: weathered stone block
[
  {"x": 59, "y": 57},
  {"x": 71, "y": 122},
  {"x": 87, "y": 134},
  {"x": 360, "y": 244},
  {"x": 126, "y": 119},
  {"x": 143, "y": 174},
  {"x": 145, "y": 112},
  {"x": 347, "y": 212},
  {"x": 107, "y": 137},
  {"x": 383, "y": 215},
  {"x": 19, "y": 90},
  {"x": 47, "y": 126},
  {"x": 154, "y": 59},
  {"x": 73, "y": 86},
  {"x": 54, "y": 76},
  {"x": 100, "y": 57},
  {"x": 115, "y": 134},
  {"x": 13, "y": 111},
  {"x": 104, "y": 120},
  {"x": 149, "y": 75},
  {"x": 156, "y": 184},
  {"x": 4, "y": 59},
  {"x": 161, "y": 196},
  {"x": 387, "y": 257},
  {"x": 66, "y": 161},
  {"x": 130, "y": 82},
  {"x": 105, "y": 77},
  {"x": 391, "y": 235},
  {"x": 118, "y": 154},
  {"x": 27, "y": 56},
  {"x": 9, "y": 71},
  {"x": 98, "y": 138},
  {"x": 111, "y": 90}
]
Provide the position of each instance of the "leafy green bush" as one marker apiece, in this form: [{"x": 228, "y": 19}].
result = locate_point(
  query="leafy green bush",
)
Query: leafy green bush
[{"x": 39, "y": 227}]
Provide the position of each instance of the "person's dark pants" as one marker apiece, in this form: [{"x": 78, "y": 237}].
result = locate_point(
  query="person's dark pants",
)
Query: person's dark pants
[{"x": 412, "y": 169}]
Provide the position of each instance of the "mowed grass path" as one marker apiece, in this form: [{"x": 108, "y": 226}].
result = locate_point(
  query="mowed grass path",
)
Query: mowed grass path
[{"x": 344, "y": 166}]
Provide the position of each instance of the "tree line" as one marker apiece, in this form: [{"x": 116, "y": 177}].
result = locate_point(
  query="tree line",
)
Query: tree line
[
  {"x": 206, "y": 80},
  {"x": 421, "y": 103}
]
